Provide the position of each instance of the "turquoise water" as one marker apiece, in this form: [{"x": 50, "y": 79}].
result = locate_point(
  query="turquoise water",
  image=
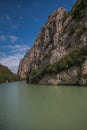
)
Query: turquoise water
[{"x": 34, "y": 107}]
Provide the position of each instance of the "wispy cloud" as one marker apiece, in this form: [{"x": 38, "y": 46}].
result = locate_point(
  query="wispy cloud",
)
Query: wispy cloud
[
  {"x": 3, "y": 38},
  {"x": 17, "y": 48},
  {"x": 16, "y": 54},
  {"x": 13, "y": 60},
  {"x": 14, "y": 26},
  {"x": 2, "y": 54},
  {"x": 6, "y": 17},
  {"x": 13, "y": 38}
]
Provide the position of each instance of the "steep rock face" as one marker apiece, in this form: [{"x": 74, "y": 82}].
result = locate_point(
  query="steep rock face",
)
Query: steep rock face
[
  {"x": 24, "y": 63},
  {"x": 44, "y": 44},
  {"x": 59, "y": 53}
]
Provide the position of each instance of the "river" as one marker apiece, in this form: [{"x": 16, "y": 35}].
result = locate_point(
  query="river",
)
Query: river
[{"x": 39, "y": 107}]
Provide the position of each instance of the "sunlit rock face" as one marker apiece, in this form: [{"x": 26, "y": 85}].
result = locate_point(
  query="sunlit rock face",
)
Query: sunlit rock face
[
  {"x": 46, "y": 40},
  {"x": 59, "y": 52}
]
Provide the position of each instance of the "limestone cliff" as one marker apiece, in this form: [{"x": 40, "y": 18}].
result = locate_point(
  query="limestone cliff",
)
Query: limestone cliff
[{"x": 59, "y": 54}]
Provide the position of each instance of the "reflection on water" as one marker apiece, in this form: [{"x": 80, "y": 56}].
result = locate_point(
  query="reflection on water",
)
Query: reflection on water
[{"x": 33, "y": 107}]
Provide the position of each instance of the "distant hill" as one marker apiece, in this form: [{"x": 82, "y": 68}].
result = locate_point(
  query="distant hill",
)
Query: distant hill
[{"x": 6, "y": 75}]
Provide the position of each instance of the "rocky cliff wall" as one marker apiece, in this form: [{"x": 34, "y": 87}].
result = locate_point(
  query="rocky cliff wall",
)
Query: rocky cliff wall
[{"x": 64, "y": 35}]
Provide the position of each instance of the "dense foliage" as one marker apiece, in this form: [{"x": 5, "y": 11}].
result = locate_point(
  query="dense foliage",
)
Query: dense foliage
[
  {"x": 79, "y": 9},
  {"x": 6, "y": 75}
]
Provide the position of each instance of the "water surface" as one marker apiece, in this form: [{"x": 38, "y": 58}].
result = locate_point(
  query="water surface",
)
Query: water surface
[{"x": 34, "y": 107}]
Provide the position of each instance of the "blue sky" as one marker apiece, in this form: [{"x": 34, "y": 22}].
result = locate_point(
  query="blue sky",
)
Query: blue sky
[{"x": 20, "y": 22}]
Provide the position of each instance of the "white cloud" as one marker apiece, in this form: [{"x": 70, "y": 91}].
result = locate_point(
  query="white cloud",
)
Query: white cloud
[
  {"x": 12, "y": 61},
  {"x": 13, "y": 38},
  {"x": 17, "y": 48},
  {"x": 16, "y": 54},
  {"x": 3, "y": 38}
]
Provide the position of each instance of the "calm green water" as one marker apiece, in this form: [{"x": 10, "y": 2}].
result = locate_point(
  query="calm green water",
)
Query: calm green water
[{"x": 29, "y": 107}]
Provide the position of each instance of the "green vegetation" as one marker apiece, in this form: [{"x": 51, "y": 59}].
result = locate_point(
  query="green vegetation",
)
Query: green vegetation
[
  {"x": 76, "y": 58},
  {"x": 6, "y": 75},
  {"x": 79, "y": 10}
]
